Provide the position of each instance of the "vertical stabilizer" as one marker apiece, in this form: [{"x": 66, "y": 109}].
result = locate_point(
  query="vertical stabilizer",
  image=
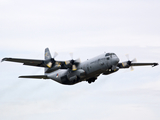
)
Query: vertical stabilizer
[
  {"x": 47, "y": 54},
  {"x": 51, "y": 64},
  {"x": 48, "y": 59}
]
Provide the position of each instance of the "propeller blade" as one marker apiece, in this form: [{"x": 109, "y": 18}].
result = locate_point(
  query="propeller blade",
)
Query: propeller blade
[
  {"x": 132, "y": 68},
  {"x": 127, "y": 55},
  {"x": 78, "y": 60},
  {"x": 71, "y": 54},
  {"x": 49, "y": 64},
  {"x": 74, "y": 67},
  {"x": 72, "y": 64},
  {"x": 55, "y": 54},
  {"x": 67, "y": 62},
  {"x": 134, "y": 60}
]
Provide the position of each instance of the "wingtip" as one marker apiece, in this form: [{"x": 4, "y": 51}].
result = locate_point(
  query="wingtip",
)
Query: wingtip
[
  {"x": 155, "y": 64},
  {"x": 3, "y": 59}
]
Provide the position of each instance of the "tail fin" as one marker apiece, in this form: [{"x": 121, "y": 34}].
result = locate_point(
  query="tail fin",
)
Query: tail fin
[
  {"x": 47, "y": 54},
  {"x": 48, "y": 59},
  {"x": 50, "y": 62}
]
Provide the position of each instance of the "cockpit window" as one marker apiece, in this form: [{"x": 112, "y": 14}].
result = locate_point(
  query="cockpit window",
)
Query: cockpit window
[
  {"x": 107, "y": 54},
  {"x": 110, "y": 54}
]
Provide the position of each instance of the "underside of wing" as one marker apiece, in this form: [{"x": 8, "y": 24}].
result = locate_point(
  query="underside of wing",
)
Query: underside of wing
[
  {"x": 128, "y": 64},
  {"x": 35, "y": 76},
  {"x": 144, "y": 64},
  {"x": 31, "y": 62}
]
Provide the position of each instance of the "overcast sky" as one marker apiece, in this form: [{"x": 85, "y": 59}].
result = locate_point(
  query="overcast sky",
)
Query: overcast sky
[{"x": 86, "y": 28}]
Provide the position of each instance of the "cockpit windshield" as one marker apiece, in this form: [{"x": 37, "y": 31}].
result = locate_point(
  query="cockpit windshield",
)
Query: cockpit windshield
[
  {"x": 107, "y": 54},
  {"x": 110, "y": 54}
]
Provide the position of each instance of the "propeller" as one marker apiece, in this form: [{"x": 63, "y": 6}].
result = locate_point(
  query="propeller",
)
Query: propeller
[
  {"x": 71, "y": 54},
  {"x": 130, "y": 62},
  {"x": 55, "y": 55},
  {"x": 72, "y": 64},
  {"x": 50, "y": 62}
]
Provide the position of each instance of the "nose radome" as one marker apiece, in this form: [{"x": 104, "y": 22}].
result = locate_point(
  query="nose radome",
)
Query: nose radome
[{"x": 115, "y": 60}]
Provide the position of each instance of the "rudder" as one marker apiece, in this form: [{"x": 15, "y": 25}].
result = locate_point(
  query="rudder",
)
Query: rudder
[
  {"x": 48, "y": 59},
  {"x": 47, "y": 54}
]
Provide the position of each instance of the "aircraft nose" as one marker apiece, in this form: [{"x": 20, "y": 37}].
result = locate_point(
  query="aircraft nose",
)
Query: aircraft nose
[{"x": 116, "y": 61}]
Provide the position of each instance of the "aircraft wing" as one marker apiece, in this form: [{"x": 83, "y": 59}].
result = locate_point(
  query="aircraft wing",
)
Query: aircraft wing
[
  {"x": 144, "y": 64},
  {"x": 35, "y": 76},
  {"x": 127, "y": 64},
  {"x": 62, "y": 63},
  {"x": 31, "y": 62}
]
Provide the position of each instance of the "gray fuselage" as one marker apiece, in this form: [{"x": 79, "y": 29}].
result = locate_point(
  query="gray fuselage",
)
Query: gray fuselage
[{"x": 88, "y": 70}]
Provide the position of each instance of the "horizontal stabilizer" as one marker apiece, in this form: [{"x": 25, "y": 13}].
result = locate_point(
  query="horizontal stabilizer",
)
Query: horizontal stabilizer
[{"x": 35, "y": 76}]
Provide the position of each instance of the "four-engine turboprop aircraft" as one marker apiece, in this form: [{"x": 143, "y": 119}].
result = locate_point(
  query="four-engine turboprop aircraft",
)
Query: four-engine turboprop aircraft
[{"x": 73, "y": 71}]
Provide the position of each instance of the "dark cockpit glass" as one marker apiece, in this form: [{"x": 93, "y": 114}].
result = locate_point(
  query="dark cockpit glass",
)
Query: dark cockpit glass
[
  {"x": 107, "y": 54},
  {"x": 110, "y": 54}
]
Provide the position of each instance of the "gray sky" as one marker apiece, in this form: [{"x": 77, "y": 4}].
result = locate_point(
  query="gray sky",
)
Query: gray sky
[{"x": 86, "y": 28}]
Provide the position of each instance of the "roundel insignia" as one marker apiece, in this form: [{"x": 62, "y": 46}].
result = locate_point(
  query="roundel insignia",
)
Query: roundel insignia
[{"x": 57, "y": 75}]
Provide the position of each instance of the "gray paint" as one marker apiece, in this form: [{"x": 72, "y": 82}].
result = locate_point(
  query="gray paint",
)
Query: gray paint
[{"x": 89, "y": 70}]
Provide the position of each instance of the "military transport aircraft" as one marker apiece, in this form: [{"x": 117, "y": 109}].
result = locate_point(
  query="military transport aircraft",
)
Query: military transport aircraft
[{"x": 73, "y": 71}]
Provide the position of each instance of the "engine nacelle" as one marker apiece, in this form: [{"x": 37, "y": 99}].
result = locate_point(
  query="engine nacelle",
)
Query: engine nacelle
[{"x": 126, "y": 64}]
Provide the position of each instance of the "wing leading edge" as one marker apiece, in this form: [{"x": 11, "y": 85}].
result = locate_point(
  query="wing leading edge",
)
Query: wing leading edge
[
  {"x": 129, "y": 63},
  {"x": 31, "y": 62},
  {"x": 144, "y": 64}
]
